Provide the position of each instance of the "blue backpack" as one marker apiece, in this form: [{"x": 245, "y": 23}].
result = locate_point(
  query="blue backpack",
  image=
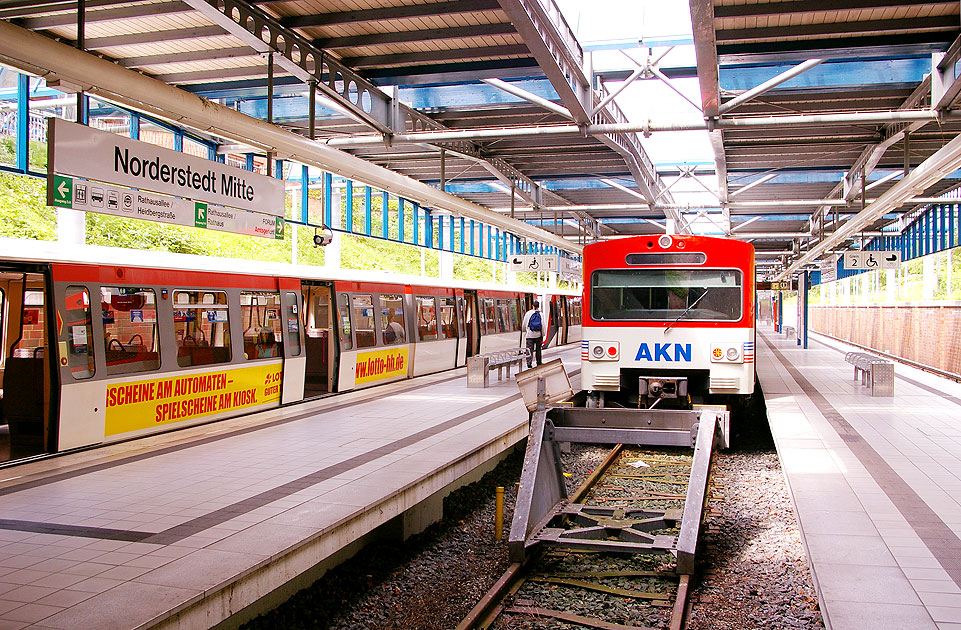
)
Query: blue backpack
[{"x": 535, "y": 323}]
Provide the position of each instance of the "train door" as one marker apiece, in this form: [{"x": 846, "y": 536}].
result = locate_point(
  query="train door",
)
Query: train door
[
  {"x": 472, "y": 319},
  {"x": 461, "y": 316},
  {"x": 28, "y": 382},
  {"x": 320, "y": 345}
]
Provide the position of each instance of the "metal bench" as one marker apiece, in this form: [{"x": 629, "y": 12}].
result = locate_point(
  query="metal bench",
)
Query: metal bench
[
  {"x": 480, "y": 366},
  {"x": 874, "y": 371}
]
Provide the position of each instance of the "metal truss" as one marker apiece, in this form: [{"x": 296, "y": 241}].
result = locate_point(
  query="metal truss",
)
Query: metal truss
[
  {"x": 558, "y": 53},
  {"x": 360, "y": 98}
]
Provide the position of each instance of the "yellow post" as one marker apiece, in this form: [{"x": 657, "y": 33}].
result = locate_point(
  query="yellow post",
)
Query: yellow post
[{"x": 499, "y": 514}]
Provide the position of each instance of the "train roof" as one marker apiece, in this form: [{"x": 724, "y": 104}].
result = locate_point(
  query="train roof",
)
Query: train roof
[{"x": 31, "y": 251}]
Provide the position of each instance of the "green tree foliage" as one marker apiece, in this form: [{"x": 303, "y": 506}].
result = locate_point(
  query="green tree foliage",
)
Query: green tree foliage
[{"x": 23, "y": 209}]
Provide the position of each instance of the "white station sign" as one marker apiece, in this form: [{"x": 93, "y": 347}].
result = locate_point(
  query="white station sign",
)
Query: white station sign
[
  {"x": 872, "y": 260},
  {"x": 79, "y": 151}
]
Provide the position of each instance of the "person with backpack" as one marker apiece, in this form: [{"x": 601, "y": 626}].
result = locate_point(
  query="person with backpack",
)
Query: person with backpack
[{"x": 533, "y": 334}]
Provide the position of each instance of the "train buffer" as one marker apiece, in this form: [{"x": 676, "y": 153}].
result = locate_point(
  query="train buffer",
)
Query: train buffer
[
  {"x": 874, "y": 371},
  {"x": 480, "y": 366}
]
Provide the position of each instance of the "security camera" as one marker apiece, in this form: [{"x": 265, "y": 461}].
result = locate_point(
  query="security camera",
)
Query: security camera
[{"x": 323, "y": 237}]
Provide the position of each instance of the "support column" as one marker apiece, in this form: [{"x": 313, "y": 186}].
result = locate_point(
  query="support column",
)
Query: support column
[
  {"x": 71, "y": 226},
  {"x": 803, "y": 309},
  {"x": 332, "y": 251}
]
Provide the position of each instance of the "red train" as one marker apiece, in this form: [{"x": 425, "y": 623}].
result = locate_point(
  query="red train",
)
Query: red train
[{"x": 100, "y": 352}]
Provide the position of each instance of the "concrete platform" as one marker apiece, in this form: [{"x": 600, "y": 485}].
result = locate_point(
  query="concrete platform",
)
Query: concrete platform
[
  {"x": 876, "y": 484},
  {"x": 211, "y": 524}
]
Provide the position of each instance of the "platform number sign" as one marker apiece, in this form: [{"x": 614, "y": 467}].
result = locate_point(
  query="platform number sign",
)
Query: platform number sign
[
  {"x": 60, "y": 194},
  {"x": 869, "y": 260}
]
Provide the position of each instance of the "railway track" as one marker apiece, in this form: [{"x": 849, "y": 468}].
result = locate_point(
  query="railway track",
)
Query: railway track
[{"x": 585, "y": 588}]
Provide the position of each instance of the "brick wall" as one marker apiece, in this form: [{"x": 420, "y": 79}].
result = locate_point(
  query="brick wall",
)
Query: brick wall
[{"x": 929, "y": 335}]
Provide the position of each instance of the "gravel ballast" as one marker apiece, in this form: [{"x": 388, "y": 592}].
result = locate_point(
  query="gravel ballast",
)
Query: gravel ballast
[{"x": 752, "y": 570}]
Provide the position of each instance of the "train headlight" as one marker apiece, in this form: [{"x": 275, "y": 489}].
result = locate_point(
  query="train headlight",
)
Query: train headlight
[
  {"x": 665, "y": 240},
  {"x": 717, "y": 354},
  {"x": 725, "y": 354},
  {"x": 604, "y": 351},
  {"x": 732, "y": 354}
]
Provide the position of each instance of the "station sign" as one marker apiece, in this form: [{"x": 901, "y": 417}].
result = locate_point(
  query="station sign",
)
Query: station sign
[
  {"x": 81, "y": 194},
  {"x": 534, "y": 262},
  {"x": 82, "y": 152},
  {"x": 829, "y": 269},
  {"x": 783, "y": 285},
  {"x": 872, "y": 260}
]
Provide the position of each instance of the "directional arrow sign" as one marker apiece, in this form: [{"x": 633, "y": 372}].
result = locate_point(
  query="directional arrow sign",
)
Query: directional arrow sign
[{"x": 60, "y": 191}]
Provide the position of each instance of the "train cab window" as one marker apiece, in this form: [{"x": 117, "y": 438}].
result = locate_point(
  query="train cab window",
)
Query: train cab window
[
  {"x": 293, "y": 329},
  {"x": 392, "y": 319},
  {"x": 446, "y": 319},
  {"x": 78, "y": 326},
  {"x": 130, "y": 338},
  {"x": 426, "y": 318},
  {"x": 489, "y": 316},
  {"x": 202, "y": 327},
  {"x": 260, "y": 314},
  {"x": 343, "y": 315},
  {"x": 363, "y": 307},
  {"x": 666, "y": 294}
]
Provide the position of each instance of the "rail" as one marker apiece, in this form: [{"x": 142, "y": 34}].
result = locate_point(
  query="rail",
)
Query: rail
[
  {"x": 875, "y": 372},
  {"x": 480, "y": 366}
]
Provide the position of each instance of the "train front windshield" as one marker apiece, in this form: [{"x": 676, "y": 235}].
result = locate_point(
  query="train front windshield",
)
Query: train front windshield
[{"x": 666, "y": 295}]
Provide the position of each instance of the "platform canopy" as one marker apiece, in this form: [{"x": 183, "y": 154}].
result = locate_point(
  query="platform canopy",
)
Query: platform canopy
[{"x": 812, "y": 110}]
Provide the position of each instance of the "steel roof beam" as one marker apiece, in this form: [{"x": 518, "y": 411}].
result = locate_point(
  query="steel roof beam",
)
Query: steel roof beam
[
  {"x": 847, "y": 29},
  {"x": 811, "y": 6},
  {"x": 389, "y": 13},
  {"x": 152, "y": 37},
  {"x": 705, "y": 53},
  {"x": 190, "y": 55},
  {"x": 401, "y": 37},
  {"x": 26, "y": 8},
  {"x": 106, "y": 15},
  {"x": 433, "y": 56},
  {"x": 552, "y": 42}
]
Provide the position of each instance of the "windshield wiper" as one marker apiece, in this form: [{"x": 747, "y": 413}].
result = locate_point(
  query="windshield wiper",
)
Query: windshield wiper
[{"x": 686, "y": 311}]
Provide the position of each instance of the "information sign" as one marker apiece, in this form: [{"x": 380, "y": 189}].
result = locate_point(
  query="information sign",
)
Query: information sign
[
  {"x": 534, "y": 262},
  {"x": 137, "y": 204},
  {"x": 872, "y": 260},
  {"x": 82, "y": 152}
]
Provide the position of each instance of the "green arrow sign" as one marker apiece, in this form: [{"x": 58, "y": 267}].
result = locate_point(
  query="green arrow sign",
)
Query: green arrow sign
[
  {"x": 200, "y": 215},
  {"x": 279, "y": 228},
  {"x": 62, "y": 191}
]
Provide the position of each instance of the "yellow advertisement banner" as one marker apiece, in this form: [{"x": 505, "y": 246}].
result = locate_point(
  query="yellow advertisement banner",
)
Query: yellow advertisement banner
[
  {"x": 382, "y": 364},
  {"x": 144, "y": 404}
]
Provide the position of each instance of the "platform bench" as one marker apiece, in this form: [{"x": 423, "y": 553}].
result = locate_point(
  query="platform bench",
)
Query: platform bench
[
  {"x": 480, "y": 366},
  {"x": 873, "y": 371}
]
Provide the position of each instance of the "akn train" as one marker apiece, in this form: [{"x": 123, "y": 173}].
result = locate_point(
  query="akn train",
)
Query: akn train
[
  {"x": 669, "y": 321},
  {"x": 96, "y": 352}
]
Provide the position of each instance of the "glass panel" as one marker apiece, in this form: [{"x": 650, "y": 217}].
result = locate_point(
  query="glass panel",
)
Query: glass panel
[
  {"x": 489, "y": 316},
  {"x": 293, "y": 330},
  {"x": 392, "y": 319},
  {"x": 574, "y": 310},
  {"x": 78, "y": 327},
  {"x": 448, "y": 322},
  {"x": 426, "y": 318},
  {"x": 201, "y": 327},
  {"x": 503, "y": 315},
  {"x": 3, "y": 332},
  {"x": 131, "y": 341},
  {"x": 461, "y": 316},
  {"x": 515, "y": 317},
  {"x": 343, "y": 310},
  {"x": 260, "y": 315},
  {"x": 666, "y": 294},
  {"x": 363, "y": 307}
]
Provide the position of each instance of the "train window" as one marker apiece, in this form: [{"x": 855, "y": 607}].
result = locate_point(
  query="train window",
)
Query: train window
[
  {"x": 426, "y": 318},
  {"x": 343, "y": 329},
  {"x": 363, "y": 307},
  {"x": 666, "y": 294},
  {"x": 392, "y": 319},
  {"x": 461, "y": 316},
  {"x": 574, "y": 311},
  {"x": 79, "y": 328},
  {"x": 293, "y": 329},
  {"x": 130, "y": 338},
  {"x": 489, "y": 316},
  {"x": 201, "y": 327},
  {"x": 503, "y": 315},
  {"x": 3, "y": 310},
  {"x": 515, "y": 316},
  {"x": 448, "y": 322},
  {"x": 260, "y": 315},
  {"x": 667, "y": 258}
]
